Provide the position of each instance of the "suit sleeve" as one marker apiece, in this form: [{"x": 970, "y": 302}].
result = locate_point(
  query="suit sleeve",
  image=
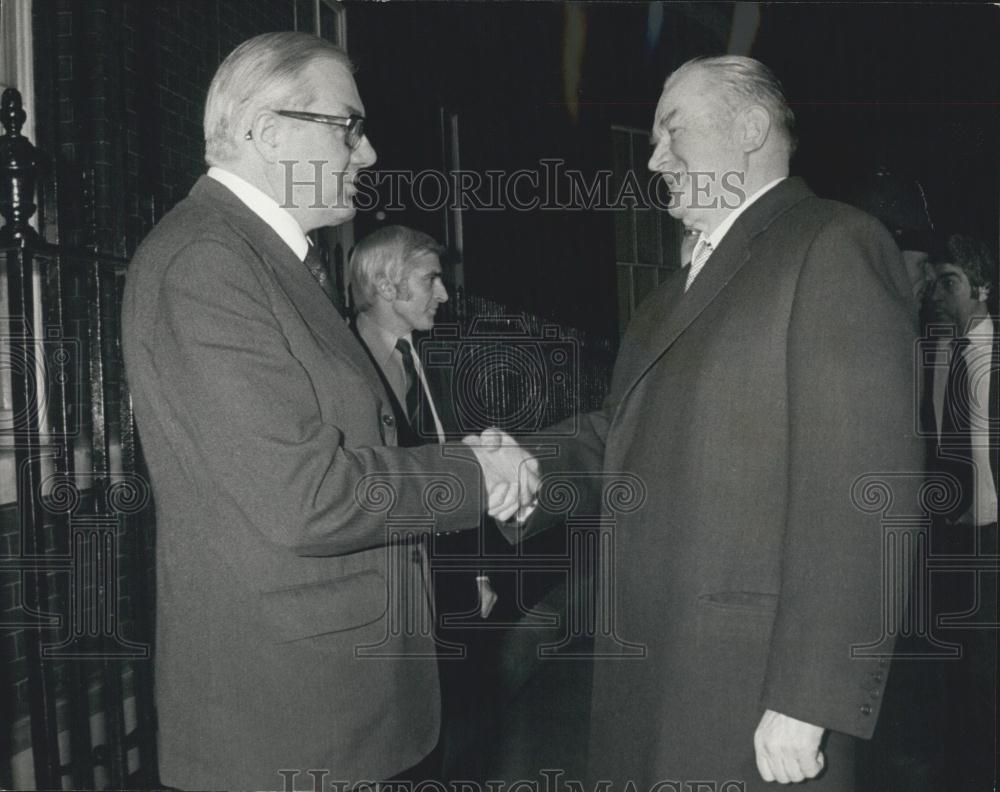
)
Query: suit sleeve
[
  {"x": 570, "y": 456},
  {"x": 247, "y": 418},
  {"x": 850, "y": 414}
]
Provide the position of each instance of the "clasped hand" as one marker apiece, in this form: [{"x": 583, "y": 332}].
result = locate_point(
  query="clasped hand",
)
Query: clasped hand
[
  {"x": 510, "y": 472},
  {"x": 788, "y": 750}
]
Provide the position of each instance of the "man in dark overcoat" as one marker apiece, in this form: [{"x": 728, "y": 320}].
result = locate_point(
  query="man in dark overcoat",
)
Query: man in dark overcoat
[{"x": 761, "y": 396}]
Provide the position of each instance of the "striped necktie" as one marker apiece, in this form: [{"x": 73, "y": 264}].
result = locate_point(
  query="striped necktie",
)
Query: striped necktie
[
  {"x": 317, "y": 269},
  {"x": 702, "y": 250}
]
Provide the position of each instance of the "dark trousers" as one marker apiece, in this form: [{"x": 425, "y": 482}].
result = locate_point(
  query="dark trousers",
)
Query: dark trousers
[
  {"x": 938, "y": 726},
  {"x": 468, "y": 650},
  {"x": 970, "y": 758}
]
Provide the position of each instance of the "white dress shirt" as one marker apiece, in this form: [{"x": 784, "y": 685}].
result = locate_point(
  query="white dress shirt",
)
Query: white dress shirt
[
  {"x": 382, "y": 345},
  {"x": 978, "y": 357},
  {"x": 266, "y": 208},
  {"x": 715, "y": 238}
]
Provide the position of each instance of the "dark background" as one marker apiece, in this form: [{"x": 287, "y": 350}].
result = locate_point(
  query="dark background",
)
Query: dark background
[
  {"x": 912, "y": 87},
  {"x": 120, "y": 89}
]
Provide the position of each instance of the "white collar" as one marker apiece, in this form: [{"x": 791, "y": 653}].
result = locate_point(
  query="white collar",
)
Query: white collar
[
  {"x": 981, "y": 332},
  {"x": 266, "y": 208},
  {"x": 380, "y": 341},
  {"x": 715, "y": 238}
]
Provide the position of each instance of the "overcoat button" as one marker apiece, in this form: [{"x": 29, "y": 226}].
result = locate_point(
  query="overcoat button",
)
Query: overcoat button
[
  {"x": 388, "y": 420},
  {"x": 866, "y": 709}
]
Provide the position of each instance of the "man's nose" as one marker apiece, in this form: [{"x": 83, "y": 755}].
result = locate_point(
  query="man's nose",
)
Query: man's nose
[
  {"x": 440, "y": 292},
  {"x": 658, "y": 159},
  {"x": 364, "y": 155}
]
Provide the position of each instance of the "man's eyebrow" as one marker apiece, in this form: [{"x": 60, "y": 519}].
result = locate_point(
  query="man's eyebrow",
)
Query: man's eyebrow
[
  {"x": 662, "y": 124},
  {"x": 338, "y": 108},
  {"x": 665, "y": 121}
]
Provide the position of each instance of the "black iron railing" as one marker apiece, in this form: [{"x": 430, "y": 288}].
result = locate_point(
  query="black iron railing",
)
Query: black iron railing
[
  {"x": 79, "y": 555},
  {"x": 77, "y": 536}
]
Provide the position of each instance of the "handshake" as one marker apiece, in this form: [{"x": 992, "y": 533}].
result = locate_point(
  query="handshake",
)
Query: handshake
[{"x": 511, "y": 474}]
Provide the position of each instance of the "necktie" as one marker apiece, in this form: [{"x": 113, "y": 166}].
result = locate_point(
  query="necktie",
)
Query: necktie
[
  {"x": 411, "y": 378},
  {"x": 702, "y": 250},
  {"x": 317, "y": 269},
  {"x": 956, "y": 424}
]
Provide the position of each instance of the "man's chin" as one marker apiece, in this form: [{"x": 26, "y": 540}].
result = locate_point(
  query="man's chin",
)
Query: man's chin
[
  {"x": 342, "y": 213},
  {"x": 676, "y": 210}
]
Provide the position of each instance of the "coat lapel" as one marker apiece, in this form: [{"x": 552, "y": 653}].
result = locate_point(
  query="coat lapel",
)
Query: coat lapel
[
  {"x": 316, "y": 310},
  {"x": 679, "y": 309}
]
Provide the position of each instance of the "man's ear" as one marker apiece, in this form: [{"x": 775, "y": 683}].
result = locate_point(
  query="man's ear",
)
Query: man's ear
[
  {"x": 386, "y": 290},
  {"x": 982, "y": 293},
  {"x": 753, "y": 127},
  {"x": 266, "y": 135}
]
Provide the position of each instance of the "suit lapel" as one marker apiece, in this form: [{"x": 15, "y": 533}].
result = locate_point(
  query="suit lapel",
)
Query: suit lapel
[
  {"x": 679, "y": 309},
  {"x": 315, "y": 308}
]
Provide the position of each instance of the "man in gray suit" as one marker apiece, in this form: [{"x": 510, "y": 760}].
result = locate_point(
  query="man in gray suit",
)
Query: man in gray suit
[
  {"x": 396, "y": 285},
  {"x": 752, "y": 393},
  {"x": 291, "y": 581}
]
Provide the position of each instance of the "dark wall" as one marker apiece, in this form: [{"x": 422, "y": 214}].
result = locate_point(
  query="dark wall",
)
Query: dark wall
[
  {"x": 909, "y": 86},
  {"x": 120, "y": 88}
]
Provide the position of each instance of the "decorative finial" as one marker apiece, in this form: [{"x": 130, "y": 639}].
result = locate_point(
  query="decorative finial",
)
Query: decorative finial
[{"x": 18, "y": 167}]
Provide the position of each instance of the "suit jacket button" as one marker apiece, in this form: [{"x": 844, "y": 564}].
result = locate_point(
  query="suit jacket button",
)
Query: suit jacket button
[
  {"x": 865, "y": 709},
  {"x": 875, "y": 693},
  {"x": 388, "y": 420}
]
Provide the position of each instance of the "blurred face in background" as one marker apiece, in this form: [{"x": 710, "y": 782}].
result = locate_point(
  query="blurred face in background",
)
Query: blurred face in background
[{"x": 952, "y": 297}]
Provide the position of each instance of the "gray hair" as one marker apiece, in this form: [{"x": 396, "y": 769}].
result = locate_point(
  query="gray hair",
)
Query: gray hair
[
  {"x": 745, "y": 81},
  {"x": 386, "y": 253},
  {"x": 265, "y": 71}
]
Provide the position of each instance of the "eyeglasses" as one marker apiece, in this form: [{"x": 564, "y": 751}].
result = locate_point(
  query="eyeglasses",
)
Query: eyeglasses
[{"x": 354, "y": 124}]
